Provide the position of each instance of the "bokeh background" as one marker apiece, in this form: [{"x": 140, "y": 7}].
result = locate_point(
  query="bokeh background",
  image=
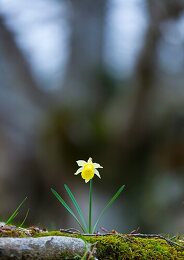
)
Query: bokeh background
[{"x": 101, "y": 79}]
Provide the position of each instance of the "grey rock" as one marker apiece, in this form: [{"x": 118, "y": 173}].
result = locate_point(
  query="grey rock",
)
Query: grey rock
[{"x": 51, "y": 247}]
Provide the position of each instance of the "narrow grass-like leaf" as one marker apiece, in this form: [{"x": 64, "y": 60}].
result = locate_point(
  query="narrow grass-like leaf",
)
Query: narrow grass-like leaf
[
  {"x": 24, "y": 218},
  {"x": 116, "y": 195},
  {"x": 15, "y": 213},
  {"x": 67, "y": 207},
  {"x": 76, "y": 206},
  {"x": 87, "y": 250}
]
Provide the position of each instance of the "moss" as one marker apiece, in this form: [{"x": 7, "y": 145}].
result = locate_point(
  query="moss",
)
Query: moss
[
  {"x": 50, "y": 233},
  {"x": 13, "y": 233},
  {"x": 122, "y": 247},
  {"x": 117, "y": 246}
]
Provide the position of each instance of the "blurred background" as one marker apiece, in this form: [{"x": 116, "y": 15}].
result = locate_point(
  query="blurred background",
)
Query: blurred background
[{"x": 101, "y": 79}]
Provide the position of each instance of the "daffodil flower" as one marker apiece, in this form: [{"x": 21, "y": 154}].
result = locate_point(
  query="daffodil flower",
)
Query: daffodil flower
[{"x": 88, "y": 169}]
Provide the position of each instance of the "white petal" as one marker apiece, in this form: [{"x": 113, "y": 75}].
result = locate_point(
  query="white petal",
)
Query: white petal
[
  {"x": 97, "y": 173},
  {"x": 86, "y": 181},
  {"x": 81, "y": 162},
  {"x": 78, "y": 171},
  {"x": 97, "y": 165},
  {"x": 90, "y": 160}
]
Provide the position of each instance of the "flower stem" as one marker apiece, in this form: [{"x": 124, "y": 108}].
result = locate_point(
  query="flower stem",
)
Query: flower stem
[{"x": 90, "y": 206}]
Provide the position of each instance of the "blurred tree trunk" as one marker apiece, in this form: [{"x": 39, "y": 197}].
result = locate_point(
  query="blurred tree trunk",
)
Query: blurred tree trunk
[
  {"x": 159, "y": 12},
  {"x": 17, "y": 83},
  {"x": 87, "y": 23},
  {"x": 15, "y": 71},
  {"x": 138, "y": 141},
  {"x": 22, "y": 106}
]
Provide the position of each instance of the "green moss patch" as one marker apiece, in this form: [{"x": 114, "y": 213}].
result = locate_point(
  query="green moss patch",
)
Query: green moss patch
[{"x": 124, "y": 247}]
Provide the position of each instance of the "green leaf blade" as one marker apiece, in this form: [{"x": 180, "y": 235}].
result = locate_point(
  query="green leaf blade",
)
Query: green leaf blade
[
  {"x": 115, "y": 196},
  {"x": 24, "y": 220},
  {"x": 61, "y": 200},
  {"x": 74, "y": 201},
  {"x": 15, "y": 213}
]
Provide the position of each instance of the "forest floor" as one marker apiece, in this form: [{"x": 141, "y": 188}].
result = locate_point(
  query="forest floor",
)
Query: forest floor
[{"x": 69, "y": 244}]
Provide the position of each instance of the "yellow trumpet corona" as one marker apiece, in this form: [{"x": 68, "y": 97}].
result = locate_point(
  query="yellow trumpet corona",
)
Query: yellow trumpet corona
[{"x": 88, "y": 169}]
